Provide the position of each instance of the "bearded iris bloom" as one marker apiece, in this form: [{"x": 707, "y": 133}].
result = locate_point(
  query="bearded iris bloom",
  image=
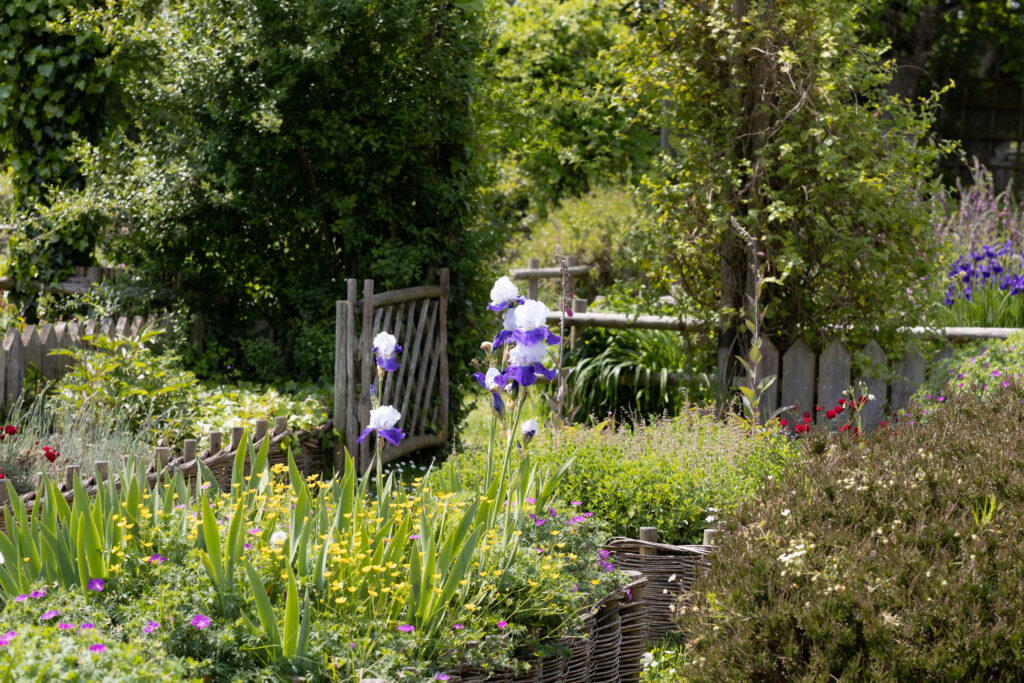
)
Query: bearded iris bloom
[
  {"x": 525, "y": 364},
  {"x": 493, "y": 382},
  {"x": 382, "y": 421},
  {"x": 504, "y": 293},
  {"x": 385, "y": 347}
]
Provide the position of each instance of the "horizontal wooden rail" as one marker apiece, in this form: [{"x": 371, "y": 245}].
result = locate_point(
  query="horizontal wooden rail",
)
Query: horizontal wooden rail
[
  {"x": 622, "y": 321},
  {"x": 531, "y": 273},
  {"x": 963, "y": 333},
  {"x": 400, "y": 296}
]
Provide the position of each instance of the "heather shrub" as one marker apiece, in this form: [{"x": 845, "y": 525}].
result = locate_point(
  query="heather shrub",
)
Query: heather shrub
[
  {"x": 671, "y": 474},
  {"x": 978, "y": 367},
  {"x": 891, "y": 558}
]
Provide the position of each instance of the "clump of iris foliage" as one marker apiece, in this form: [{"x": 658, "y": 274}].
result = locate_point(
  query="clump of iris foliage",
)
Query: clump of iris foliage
[
  {"x": 680, "y": 475},
  {"x": 886, "y": 558},
  {"x": 985, "y": 288},
  {"x": 286, "y": 575},
  {"x": 983, "y": 232}
]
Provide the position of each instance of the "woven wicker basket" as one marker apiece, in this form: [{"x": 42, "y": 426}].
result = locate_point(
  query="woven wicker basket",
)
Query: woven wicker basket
[{"x": 670, "y": 571}]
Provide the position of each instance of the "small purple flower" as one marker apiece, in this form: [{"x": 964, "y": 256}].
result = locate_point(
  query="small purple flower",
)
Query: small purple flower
[
  {"x": 96, "y": 585},
  {"x": 6, "y": 638},
  {"x": 531, "y": 501},
  {"x": 996, "y": 373},
  {"x": 98, "y": 647},
  {"x": 41, "y": 593},
  {"x": 21, "y": 598},
  {"x": 629, "y": 594},
  {"x": 1005, "y": 384},
  {"x": 156, "y": 559},
  {"x": 603, "y": 554},
  {"x": 49, "y": 614},
  {"x": 441, "y": 677},
  {"x": 541, "y": 521},
  {"x": 87, "y": 626},
  {"x": 200, "y": 621},
  {"x": 940, "y": 399},
  {"x": 552, "y": 512},
  {"x": 150, "y": 627},
  {"x": 406, "y": 628},
  {"x": 502, "y": 624},
  {"x": 248, "y": 545},
  {"x": 254, "y": 531},
  {"x": 457, "y": 627},
  {"x": 577, "y": 519},
  {"x": 607, "y": 566},
  {"x": 64, "y": 626},
  {"x": 575, "y": 503},
  {"x": 588, "y": 514},
  {"x": 414, "y": 537}
]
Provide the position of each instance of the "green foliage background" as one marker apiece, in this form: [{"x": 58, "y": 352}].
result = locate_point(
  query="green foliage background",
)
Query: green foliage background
[
  {"x": 272, "y": 151},
  {"x": 782, "y": 123}
]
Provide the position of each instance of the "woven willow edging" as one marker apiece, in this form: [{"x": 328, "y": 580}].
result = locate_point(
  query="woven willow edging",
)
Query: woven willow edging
[
  {"x": 670, "y": 571},
  {"x": 609, "y": 651}
]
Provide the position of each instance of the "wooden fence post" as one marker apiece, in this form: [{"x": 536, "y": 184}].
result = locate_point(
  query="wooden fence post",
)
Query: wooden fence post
[
  {"x": 578, "y": 306},
  {"x": 366, "y": 372},
  {"x": 532, "y": 282},
  {"x": 47, "y": 343},
  {"x": 351, "y": 406},
  {"x": 33, "y": 351},
  {"x": 443, "y": 350},
  {"x": 649, "y": 534},
  {"x": 15, "y": 355},
  {"x": 340, "y": 378}
]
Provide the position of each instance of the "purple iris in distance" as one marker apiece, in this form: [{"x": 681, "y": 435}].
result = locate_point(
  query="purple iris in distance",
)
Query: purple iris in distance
[
  {"x": 385, "y": 346},
  {"x": 504, "y": 293},
  {"x": 529, "y": 428},
  {"x": 96, "y": 585},
  {"x": 382, "y": 421}
]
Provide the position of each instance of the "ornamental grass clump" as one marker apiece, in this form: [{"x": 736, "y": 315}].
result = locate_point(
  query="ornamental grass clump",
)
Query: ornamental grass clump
[{"x": 894, "y": 557}]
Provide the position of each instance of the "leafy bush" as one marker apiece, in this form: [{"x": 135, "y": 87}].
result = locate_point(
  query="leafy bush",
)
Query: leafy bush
[
  {"x": 670, "y": 474},
  {"x": 891, "y": 558},
  {"x": 125, "y": 375}
]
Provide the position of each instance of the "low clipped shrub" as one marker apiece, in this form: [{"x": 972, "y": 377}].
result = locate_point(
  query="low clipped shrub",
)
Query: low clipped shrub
[
  {"x": 679, "y": 475},
  {"x": 891, "y": 558}
]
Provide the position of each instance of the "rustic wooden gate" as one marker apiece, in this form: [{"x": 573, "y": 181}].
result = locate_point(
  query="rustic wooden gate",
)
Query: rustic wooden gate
[{"x": 418, "y": 317}]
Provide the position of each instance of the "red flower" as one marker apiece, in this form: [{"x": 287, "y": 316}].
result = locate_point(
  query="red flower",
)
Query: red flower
[
  {"x": 845, "y": 428},
  {"x": 50, "y": 454},
  {"x": 2, "y": 475},
  {"x": 10, "y": 429},
  {"x": 784, "y": 422},
  {"x": 831, "y": 414},
  {"x": 819, "y": 409},
  {"x": 842, "y": 402},
  {"x": 883, "y": 424},
  {"x": 807, "y": 419}
]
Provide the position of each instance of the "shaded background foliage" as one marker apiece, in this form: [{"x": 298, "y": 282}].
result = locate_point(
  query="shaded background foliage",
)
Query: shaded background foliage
[{"x": 272, "y": 151}]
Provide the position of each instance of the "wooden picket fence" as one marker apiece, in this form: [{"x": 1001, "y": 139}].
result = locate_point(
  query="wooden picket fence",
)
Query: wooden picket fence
[
  {"x": 31, "y": 347},
  {"x": 807, "y": 380},
  {"x": 418, "y": 317}
]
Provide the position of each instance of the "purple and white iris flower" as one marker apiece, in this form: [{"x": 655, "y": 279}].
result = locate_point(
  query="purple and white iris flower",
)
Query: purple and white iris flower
[
  {"x": 382, "y": 421},
  {"x": 527, "y": 324},
  {"x": 529, "y": 428},
  {"x": 385, "y": 346},
  {"x": 493, "y": 382},
  {"x": 504, "y": 293},
  {"x": 525, "y": 364}
]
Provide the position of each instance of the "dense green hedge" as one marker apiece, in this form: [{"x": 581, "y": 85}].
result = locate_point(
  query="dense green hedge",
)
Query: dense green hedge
[
  {"x": 274, "y": 150},
  {"x": 895, "y": 558},
  {"x": 673, "y": 474}
]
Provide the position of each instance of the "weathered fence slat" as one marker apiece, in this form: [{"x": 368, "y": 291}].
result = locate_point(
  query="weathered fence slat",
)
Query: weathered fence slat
[
  {"x": 909, "y": 376},
  {"x": 47, "y": 344},
  {"x": 33, "y": 351},
  {"x": 871, "y": 413},
  {"x": 798, "y": 380},
  {"x": 366, "y": 372},
  {"x": 15, "y": 361},
  {"x": 833, "y": 375}
]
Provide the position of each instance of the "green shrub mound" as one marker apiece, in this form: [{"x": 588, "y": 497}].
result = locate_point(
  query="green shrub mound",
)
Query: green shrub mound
[
  {"x": 678, "y": 475},
  {"x": 895, "y": 558}
]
